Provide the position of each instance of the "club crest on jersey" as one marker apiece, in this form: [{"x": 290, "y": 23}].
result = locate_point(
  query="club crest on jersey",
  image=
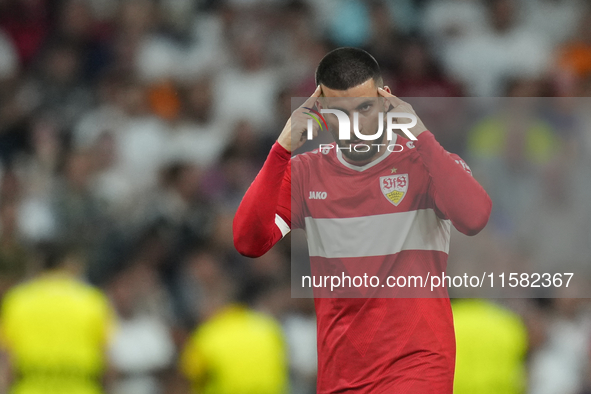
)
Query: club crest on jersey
[{"x": 394, "y": 187}]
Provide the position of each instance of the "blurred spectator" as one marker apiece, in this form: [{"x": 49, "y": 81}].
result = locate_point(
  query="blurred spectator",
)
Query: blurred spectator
[
  {"x": 107, "y": 184},
  {"x": 504, "y": 49},
  {"x": 14, "y": 114},
  {"x": 8, "y": 58},
  {"x": 235, "y": 349},
  {"x": 56, "y": 330},
  {"x": 13, "y": 255},
  {"x": 197, "y": 136},
  {"x": 40, "y": 166},
  {"x": 300, "y": 333},
  {"x": 249, "y": 75},
  {"x": 491, "y": 346},
  {"x": 60, "y": 88},
  {"x": 236, "y": 169},
  {"x": 142, "y": 351},
  {"x": 77, "y": 26},
  {"x": 188, "y": 48},
  {"x": 36, "y": 173},
  {"x": 175, "y": 220},
  {"x": 80, "y": 216},
  {"x": 561, "y": 363},
  {"x": 420, "y": 75},
  {"x": 27, "y": 23},
  {"x": 386, "y": 39},
  {"x": 108, "y": 111},
  {"x": 141, "y": 138},
  {"x": 550, "y": 227},
  {"x": 296, "y": 45},
  {"x": 559, "y": 18},
  {"x": 448, "y": 21},
  {"x": 517, "y": 132},
  {"x": 574, "y": 58},
  {"x": 181, "y": 204},
  {"x": 528, "y": 87},
  {"x": 164, "y": 101},
  {"x": 509, "y": 147}
]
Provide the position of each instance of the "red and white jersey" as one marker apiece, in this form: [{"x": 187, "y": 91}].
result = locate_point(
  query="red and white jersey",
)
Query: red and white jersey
[
  {"x": 379, "y": 219},
  {"x": 363, "y": 217},
  {"x": 389, "y": 217}
]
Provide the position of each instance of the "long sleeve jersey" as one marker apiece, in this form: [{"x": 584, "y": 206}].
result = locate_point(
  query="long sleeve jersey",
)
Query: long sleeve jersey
[{"x": 387, "y": 218}]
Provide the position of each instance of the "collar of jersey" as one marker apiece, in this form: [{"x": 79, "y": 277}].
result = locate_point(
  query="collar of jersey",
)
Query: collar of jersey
[{"x": 368, "y": 165}]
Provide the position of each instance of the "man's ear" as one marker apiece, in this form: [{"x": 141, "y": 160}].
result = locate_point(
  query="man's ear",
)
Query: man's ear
[
  {"x": 386, "y": 102},
  {"x": 320, "y": 99}
]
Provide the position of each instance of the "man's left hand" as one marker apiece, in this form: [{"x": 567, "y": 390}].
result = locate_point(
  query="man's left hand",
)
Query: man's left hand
[{"x": 402, "y": 106}]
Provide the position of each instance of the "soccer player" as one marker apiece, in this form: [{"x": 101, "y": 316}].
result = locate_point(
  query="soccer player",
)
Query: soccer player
[
  {"x": 492, "y": 344},
  {"x": 382, "y": 210},
  {"x": 56, "y": 331},
  {"x": 235, "y": 349}
]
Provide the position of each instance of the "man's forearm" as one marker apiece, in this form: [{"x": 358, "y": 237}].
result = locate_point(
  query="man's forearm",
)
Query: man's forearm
[
  {"x": 254, "y": 227},
  {"x": 457, "y": 194}
]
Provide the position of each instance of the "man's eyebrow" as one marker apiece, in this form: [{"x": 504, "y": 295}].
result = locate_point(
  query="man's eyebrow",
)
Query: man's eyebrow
[
  {"x": 363, "y": 104},
  {"x": 339, "y": 109}
]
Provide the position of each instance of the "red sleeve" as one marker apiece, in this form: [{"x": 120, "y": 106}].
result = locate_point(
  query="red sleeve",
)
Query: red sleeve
[
  {"x": 457, "y": 195},
  {"x": 263, "y": 217}
]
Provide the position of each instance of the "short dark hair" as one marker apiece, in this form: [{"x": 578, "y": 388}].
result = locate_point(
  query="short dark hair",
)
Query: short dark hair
[{"x": 344, "y": 68}]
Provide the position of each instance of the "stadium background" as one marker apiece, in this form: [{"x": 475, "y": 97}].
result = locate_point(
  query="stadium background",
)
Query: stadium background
[{"x": 130, "y": 130}]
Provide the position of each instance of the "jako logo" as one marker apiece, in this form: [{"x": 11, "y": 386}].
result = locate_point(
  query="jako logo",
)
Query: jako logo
[
  {"x": 345, "y": 124},
  {"x": 317, "y": 196}
]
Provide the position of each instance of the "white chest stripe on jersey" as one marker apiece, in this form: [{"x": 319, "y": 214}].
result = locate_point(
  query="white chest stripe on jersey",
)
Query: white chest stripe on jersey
[
  {"x": 378, "y": 235},
  {"x": 283, "y": 227}
]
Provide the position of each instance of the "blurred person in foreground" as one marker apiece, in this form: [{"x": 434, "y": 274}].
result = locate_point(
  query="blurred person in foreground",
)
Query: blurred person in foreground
[
  {"x": 491, "y": 348},
  {"x": 236, "y": 349},
  {"x": 55, "y": 330},
  {"x": 380, "y": 213}
]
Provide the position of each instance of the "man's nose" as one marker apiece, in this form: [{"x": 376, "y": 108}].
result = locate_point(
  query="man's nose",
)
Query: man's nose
[{"x": 352, "y": 129}]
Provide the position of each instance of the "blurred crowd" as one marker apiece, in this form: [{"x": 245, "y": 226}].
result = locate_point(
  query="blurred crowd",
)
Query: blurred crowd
[{"x": 130, "y": 130}]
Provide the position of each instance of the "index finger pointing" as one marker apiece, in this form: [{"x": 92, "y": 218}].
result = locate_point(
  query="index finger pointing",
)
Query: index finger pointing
[
  {"x": 312, "y": 100},
  {"x": 395, "y": 101}
]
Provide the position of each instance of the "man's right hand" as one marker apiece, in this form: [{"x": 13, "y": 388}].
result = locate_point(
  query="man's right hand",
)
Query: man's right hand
[{"x": 294, "y": 133}]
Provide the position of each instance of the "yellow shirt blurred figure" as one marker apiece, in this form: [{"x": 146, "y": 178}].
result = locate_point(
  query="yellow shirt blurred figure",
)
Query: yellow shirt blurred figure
[
  {"x": 55, "y": 330},
  {"x": 491, "y": 344},
  {"x": 237, "y": 350}
]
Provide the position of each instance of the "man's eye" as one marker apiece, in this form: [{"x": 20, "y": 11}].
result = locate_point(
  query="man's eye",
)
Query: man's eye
[{"x": 365, "y": 108}]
